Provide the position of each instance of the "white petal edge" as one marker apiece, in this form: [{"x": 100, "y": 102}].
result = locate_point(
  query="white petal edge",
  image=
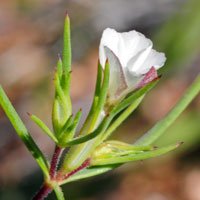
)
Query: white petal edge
[{"x": 124, "y": 45}]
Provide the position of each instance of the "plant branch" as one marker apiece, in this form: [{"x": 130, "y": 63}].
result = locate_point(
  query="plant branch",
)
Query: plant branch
[
  {"x": 61, "y": 176},
  {"x": 55, "y": 160},
  {"x": 44, "y": 191}
]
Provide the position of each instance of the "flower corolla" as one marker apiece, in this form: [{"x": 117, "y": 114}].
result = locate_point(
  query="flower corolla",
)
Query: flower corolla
[{"x": 132, "y": 61}]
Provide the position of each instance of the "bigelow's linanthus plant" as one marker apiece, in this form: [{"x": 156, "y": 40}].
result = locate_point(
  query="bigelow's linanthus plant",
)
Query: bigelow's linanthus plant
[{"x": 127, "y": 70}]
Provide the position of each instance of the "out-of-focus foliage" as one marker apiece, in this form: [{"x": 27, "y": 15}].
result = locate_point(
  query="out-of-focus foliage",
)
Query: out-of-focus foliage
[{"x": 179, "y": 37}]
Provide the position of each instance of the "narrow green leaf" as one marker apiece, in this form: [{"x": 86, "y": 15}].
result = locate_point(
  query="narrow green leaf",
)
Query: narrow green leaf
[
  {"x": 67, "y": 46},
  {"x": 43, "y": 126},
  {"x": 134, "y": 157},
  {"x": 23, "y": 132},
  {"x": 66, "y": 80},
  {"x": 156, "y": 131},
  {"x": 62, "y": 107},
  {"x": 58, "y": 191}
]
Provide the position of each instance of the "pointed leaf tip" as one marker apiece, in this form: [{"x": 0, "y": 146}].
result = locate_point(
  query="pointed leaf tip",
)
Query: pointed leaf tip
[
  {"x": 158, "y": 77},
  {"x": 67, "y": 14},
  {"x": 106, "y": 61},
  {"x": 29, "y": 114},
  {"x": 179, "y": 144},
  {"x": 59, "y": 58},
  {"x": 108, "y": 115}
]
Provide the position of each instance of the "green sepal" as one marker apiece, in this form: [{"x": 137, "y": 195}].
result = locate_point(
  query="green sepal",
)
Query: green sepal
[
  {"x": 135, "y": 95},
  {"x": 43, "y": 126},
  {"x": 23, "y": 133},
  {"x": 84, "y": 129},
  {"x": 118, "y": 158},
  {"x": 101, "y": 97}
]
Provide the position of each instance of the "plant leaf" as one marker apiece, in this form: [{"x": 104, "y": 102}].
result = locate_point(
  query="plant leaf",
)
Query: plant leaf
[
  {"x": 43, "y": 126},
  {"x": 66, "y": 46},
  {"x": 158, "y": 129},
  {"x": 23, "y": 132}
]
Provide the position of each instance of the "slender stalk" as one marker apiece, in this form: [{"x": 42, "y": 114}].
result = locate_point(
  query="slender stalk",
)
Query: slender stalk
[
  {"x": 44, "y": 191},
  {"x": 55, "y": 160},
  {"x": 61, "y": 176},
  {"x": 158, "y": 129}
]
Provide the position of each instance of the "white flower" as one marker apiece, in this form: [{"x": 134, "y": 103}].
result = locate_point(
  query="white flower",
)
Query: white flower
[{"x": 133, "y": 62}]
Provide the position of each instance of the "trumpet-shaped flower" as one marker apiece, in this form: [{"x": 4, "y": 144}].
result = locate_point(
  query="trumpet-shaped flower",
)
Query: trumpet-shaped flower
[{"x": 133, "y": 63}]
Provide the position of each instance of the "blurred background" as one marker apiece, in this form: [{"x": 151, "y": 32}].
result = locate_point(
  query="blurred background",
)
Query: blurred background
[{"x": 31, "y": 38}]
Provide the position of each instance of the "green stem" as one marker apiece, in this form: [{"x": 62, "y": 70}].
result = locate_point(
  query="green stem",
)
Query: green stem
[{"x": 121, "y": 118}]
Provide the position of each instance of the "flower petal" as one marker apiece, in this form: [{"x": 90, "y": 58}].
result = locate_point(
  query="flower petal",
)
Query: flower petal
[
  {"x": 135, "y": 64},
  {"x": 117, "y": 82},
  {"x": 124, "y": 45},
  {"x": 132, "y": 43},
  {"x": 154, "y": 59},
  {"x": 110, "y": 39}
]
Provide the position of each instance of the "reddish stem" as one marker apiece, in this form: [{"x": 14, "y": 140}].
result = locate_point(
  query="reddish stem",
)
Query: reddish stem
[
  {"x": 84, "y": 165},
  {"x": 55, "y": 160},
  {"x": 44, "y": 191},
  {"x": 61, "y": 176}
]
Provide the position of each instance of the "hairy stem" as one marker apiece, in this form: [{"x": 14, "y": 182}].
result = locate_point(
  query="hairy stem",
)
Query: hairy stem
[
  {"x": 55, "y": 160},
  {"x": 44, "y": 191},
  {"x": 62, "y": 176}
]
